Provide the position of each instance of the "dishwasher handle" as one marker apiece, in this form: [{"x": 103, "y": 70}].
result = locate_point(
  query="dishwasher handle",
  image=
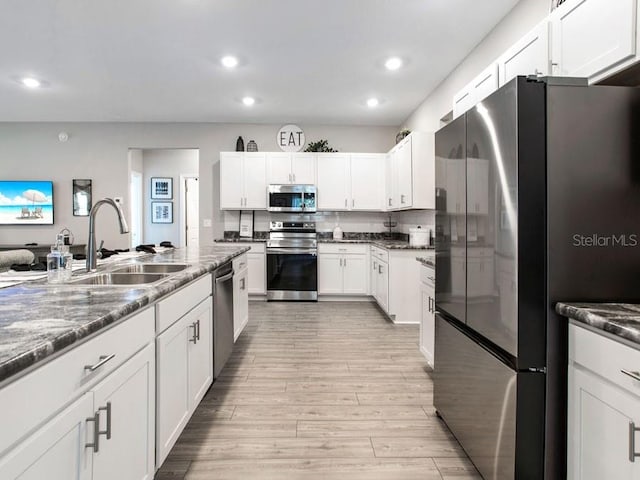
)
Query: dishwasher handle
[{"x": 225, "y": 278}]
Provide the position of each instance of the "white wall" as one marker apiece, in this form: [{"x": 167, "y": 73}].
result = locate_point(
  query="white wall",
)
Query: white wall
[
  {"x": 522, "y": 18},
  {"x": 100, "y": 151},
  {"x": 166, "y": 163}
]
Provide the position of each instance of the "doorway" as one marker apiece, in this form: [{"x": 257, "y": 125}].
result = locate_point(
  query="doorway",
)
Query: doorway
[{"x": 190, "y": 224}]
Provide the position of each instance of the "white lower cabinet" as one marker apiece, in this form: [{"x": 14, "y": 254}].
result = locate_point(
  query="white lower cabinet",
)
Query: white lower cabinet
[
  {"x": 343, "y": 269},
  {"x": 382, "y": 285},
  {"x": 57, "y": 449},
  {"x": 257, "y": 265},
  {"x": 108, "y": 431},
  {"x": 603, "y": 408},
  {"x": 185, "y": 372},
  {"x": 240, "y": 295},
  {"x": 428, "y": 306}
]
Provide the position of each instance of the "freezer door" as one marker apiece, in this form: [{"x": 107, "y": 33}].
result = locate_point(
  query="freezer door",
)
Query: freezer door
[
  {"x": 451, "y": 228},
  {"x": 475, "y": 394},
  {"x": 492, "y": 219}
]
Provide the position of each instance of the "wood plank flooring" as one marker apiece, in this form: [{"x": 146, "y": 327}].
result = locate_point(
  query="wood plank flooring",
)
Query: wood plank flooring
[{"x": 319, "y": 391}]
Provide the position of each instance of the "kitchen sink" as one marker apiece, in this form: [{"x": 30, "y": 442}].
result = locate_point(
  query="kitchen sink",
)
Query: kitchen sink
[
  {"x": 152, "y": 268},
  {"x": 120, "y": 279}
]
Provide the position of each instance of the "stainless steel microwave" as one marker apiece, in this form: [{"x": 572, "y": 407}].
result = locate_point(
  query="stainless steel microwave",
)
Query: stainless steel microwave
[{"x": 292, "y": 198}]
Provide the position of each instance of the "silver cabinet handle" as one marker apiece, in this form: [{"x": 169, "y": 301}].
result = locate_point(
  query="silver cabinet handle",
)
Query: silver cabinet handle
[
  {"x": 353, "y": 203},
  {"x": 345, "y": 203},
  {"x": 96, "y": 433},
  {"x": 340, "y": 262},
  {"x": 194, "y": 337},
  {"x": 632, "y": 442},
  {"x": 106, "y": 432},
  {"x": 389, "y": 202},
  {"x": 379, "y": 268},
  {"x": 242, "y": 284},
  {"x": 198, "y": 329},
  {"x": 634, "y": 375},
  {"x": 103, "y": 359},
  {"x": 290, "y": 180},
  {"x": 402, "y": 198},
  {"x": 345, "y": 262},
  {"x": 375, "y": 265}
]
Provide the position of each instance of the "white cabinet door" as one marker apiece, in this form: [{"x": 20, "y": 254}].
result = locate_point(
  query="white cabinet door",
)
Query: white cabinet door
[
  {"x": 486, "y": 83},
  {"x": 599, "y": 438},
  {"x": 382, "y": 286},
  {"x": 373, "y": 276},
  {"x": 355, "y": 270},
  {"x": 589, "y": 37},
  {"x": 427, "y": 323},
  {"x": 279, "y": 165},
  {"x": 333, "y": 181},
  {"x": 56, "y": 450},
  {"x": 231, "y": 181},
  {"x": 255, "y": 181},
  {"x": 126, "y": 403},
  {"x": 463, "y": 101},
  {"x": 240, "y": 301},
  {"x": 257, "y": 273},
  {"x": 367, "y": 188},
  {"x": 404, "y": 188},
  {"x": 528, "y": 56},
  {"x": 172, "y": 411},
  {"x": 390, "y": 181},
  {"x": 330, "y": 274},
  {"x": 200, "y": 352},
  {"x": 303, "y": 168}
]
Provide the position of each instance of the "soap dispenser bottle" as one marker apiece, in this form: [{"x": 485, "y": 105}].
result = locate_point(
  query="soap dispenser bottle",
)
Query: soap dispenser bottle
[{"x": 59, "y": 262}]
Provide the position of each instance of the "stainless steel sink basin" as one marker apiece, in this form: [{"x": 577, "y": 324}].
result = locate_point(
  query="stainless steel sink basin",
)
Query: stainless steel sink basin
[
  {"x": 152, "y": 268},
  {"x": 120, "y": 279}
]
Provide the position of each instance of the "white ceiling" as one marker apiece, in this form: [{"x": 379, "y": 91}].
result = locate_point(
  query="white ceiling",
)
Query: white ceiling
[{"x": 306, "y": 61}]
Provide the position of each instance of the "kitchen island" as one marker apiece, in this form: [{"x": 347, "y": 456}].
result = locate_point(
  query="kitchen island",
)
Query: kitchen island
[
  {"x": 98, "y": 381},
  {"x": 603, "y": 390}
]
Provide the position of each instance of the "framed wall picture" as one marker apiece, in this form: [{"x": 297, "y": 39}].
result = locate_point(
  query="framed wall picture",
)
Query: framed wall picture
[
  {"x": 81, "y": 197},
  {"x": 161, "y": 212},
  {"x": 161, "y": 188}
]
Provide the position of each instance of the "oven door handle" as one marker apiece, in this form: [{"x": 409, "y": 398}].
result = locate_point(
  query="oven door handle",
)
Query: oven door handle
[{"x": 291, "y": 251}]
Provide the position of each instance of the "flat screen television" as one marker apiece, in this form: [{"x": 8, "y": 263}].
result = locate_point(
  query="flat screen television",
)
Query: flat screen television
[{"x": 26, "y": 202}]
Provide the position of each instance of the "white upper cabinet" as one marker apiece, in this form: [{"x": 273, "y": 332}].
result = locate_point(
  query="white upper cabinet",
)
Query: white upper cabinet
[
  {"x": 477, "y": 90},
  {"x": 528, "y": 56},
  {"x": 589, "y": 38},
  {"x": 291, "y": 168},
  {"x": 411, "y": 173},
  {"x": 367, "y": 181},
  {"x": 333, "y": 181},
  {"x": 243, "y": 181}
]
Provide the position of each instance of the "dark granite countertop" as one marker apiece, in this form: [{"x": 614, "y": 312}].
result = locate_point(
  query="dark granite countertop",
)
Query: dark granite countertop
[
  {"x": 240, "y": 240},
  {"x": 387, "y": 244},
  {"x": 620, "y": 319},
  {"x": 427, "y": 261},
  {"x": 38, "y": 319}
]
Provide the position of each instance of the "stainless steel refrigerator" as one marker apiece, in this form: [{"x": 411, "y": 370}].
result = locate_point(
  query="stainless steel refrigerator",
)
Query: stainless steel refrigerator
[{"x": 538, "y": 200}]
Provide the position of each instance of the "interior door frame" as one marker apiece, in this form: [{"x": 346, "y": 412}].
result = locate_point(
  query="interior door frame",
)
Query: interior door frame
[{"x": 183, "y": 206}]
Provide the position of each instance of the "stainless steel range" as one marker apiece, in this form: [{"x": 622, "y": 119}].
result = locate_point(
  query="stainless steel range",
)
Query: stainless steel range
[{"x": 292, "y": 261}]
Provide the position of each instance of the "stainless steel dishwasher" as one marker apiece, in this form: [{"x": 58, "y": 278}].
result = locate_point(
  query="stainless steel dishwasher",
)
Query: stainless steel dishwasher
[{"x": 222, "y": 316}]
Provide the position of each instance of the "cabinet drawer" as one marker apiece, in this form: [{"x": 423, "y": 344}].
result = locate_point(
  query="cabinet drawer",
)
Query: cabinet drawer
[
  {"x": 380, "y": 254},
  {"x": 240, "y": 263},
  {"x": 180, "y": 302},
  {"x": 428, "y": 275},
  {"x": 31, "y": 400},
  {"x": 343, "y": 248},
  {"x": 604, "y": 357}
]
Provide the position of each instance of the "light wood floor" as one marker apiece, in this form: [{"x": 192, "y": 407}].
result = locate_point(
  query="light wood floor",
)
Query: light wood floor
[{"x": 319, "y": 391}]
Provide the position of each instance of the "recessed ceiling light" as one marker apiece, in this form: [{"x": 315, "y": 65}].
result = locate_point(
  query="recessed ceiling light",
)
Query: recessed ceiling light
[
  {"x": 248, "y": 101},
  {"x": 393, "y": 63},
  {"x": 229, "y": 61},
  {"x": 30, "y": 82},
  {"x": 372, "y": 102}
]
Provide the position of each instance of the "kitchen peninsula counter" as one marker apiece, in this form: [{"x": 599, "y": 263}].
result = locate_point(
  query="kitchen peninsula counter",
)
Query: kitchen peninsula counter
[
  {"x": 38, "y": 320},
  {"x": 621, "y": 320}
]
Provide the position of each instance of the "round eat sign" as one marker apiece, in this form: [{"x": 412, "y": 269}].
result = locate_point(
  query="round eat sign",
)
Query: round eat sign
[{"x": 290, "y": 138}]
